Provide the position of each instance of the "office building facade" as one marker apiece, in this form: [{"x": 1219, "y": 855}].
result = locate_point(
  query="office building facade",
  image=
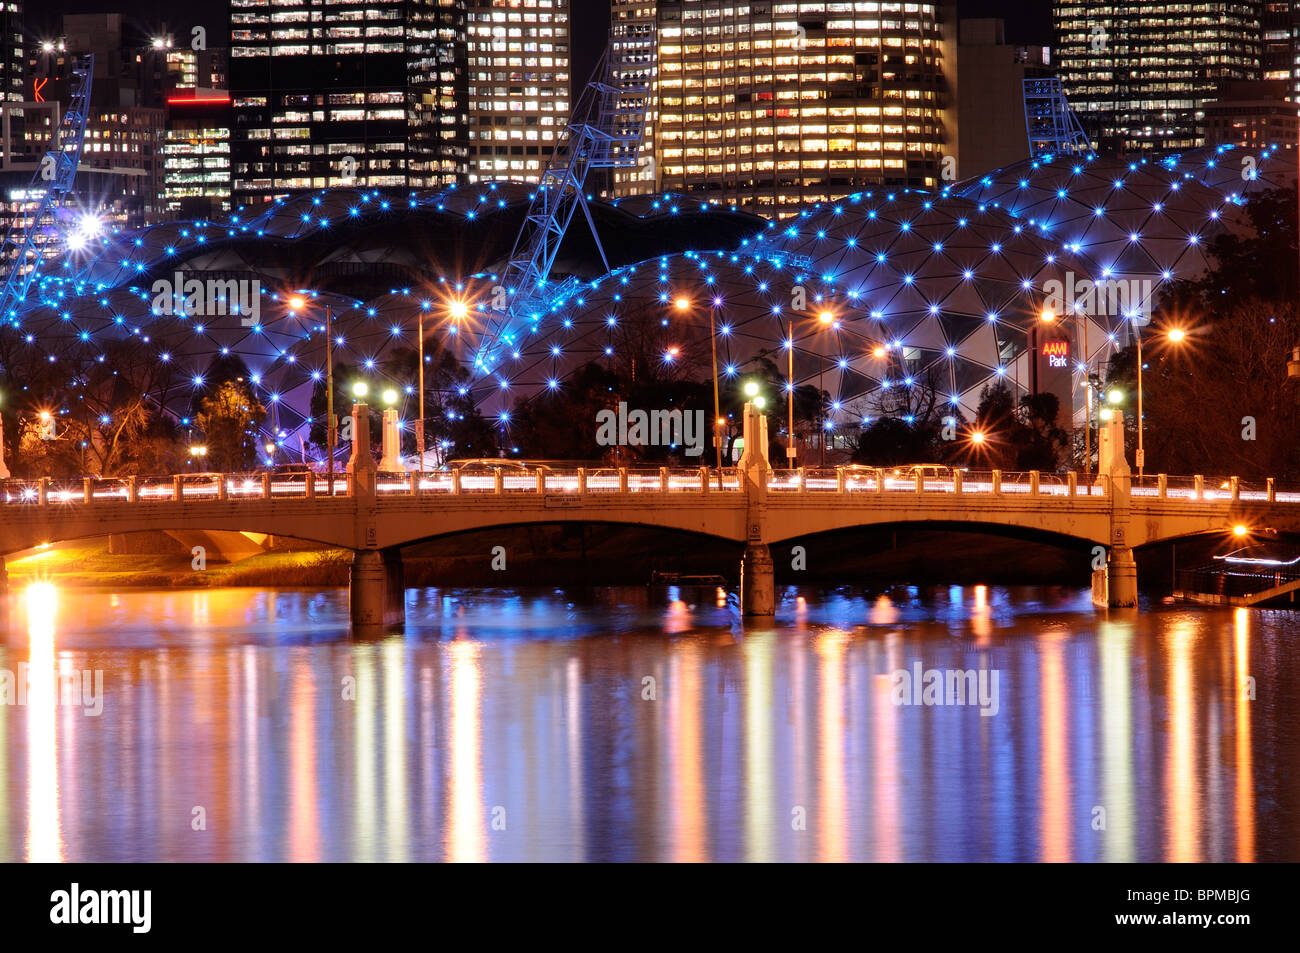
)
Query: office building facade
[
  {"x": 518, "y": 86},
  {"x": 774, "y": 105},
  {"x": 1138, "y": 74},
  {"x": 357, "y": 92}
]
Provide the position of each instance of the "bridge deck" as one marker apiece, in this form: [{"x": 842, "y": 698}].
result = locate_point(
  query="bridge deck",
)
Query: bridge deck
[{"x": 404, "y": 508}]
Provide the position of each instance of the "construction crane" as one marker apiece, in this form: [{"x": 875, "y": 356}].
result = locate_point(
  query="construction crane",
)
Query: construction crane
[
  {"x": 1050, "y": 123},
  {"x": 604, "y": 132},
  {"x": 38, "y": 228}
]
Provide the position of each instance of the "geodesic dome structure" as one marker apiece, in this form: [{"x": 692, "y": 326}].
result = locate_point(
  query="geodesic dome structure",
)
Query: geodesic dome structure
[
  {"x": 1129, "y": 219},
  {"x": 921, "y": 289},
  {"x": 918, "y": 288},
  {"x": 380, "y": 261},
  {"x": 1235, "y": 172}
]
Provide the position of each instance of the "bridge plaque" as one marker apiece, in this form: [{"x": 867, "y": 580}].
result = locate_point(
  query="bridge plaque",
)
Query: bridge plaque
[{"x": 562, "y": 501}]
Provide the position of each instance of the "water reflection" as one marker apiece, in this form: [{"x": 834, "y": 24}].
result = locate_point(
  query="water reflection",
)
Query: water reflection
[
  {"x": 543, "y": 725},
  {"x": 44, "y": 833}
]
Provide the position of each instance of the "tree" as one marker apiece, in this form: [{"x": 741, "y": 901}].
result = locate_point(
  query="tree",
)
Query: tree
[
  {"x": 908, "y": 424},
  {"x": 229, "y": 418},
  {"x": 1258, "y": 262},
  {"x": 1017, "y": 435},
  {"x": 1220, "y": 402},
  {"x": 102, "y": 397},
  {"x": 560, "y": 423}
]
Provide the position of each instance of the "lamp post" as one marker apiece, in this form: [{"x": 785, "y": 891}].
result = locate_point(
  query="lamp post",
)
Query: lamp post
[
  {"x": 826, "y": 319},
  {"x": 717, "y": 410},
  {"x": 419, "y": 384},
  {"x": 1141, "y": 452},
  {"x": 331, "y": 435},
  {"x": 297, "y": 303},
  {"x": 790, "y": 451},
  {"x": 684, "y": 304},
  {"x": 1174, "y": 336},
  {"x": 1081, "y": 320},
  {"x": 457, "y": 311}
]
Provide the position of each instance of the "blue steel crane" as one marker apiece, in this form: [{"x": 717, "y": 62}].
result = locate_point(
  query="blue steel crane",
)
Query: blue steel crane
[
  {"x": 604, "y": 132},
  {"x": 1052, "y": 126},
  {"x": 37, "y": 230}
]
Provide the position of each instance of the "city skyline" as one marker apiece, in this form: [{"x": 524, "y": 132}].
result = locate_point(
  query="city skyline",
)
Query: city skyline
[{"x": 650, "y": 431}]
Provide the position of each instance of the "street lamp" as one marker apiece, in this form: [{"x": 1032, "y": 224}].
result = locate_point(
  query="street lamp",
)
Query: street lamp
[
  {"x": 1174, "y": 336},
  {"x": 360, "y": 389},
  {"x": 1141, "y": 452},
  {"x": 458, "y": 311},
  {"x": 296, "y": 304},
  {"x": 825, "y": 319},
  {"x": 683, "y": 305}
]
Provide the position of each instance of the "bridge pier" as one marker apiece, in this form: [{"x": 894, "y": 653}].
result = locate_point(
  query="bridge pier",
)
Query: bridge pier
[
  {"x": 1121, "y": 578},
  {"x": 377, "y": 589},
  {"x": 1116, "y": 587},
  {"x": 757, "y": 581}
]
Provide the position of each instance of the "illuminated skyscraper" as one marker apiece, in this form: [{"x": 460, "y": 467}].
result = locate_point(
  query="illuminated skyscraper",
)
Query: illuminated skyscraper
[
  {"x": 196, "y": 153},
  {"x": 1138, "y": 73},
  {"x": 774, "y": 104},
  {"x": 11, "y": 51},
  {"x": 335, "y": 92},
  {"x": 518, "y": 89}
]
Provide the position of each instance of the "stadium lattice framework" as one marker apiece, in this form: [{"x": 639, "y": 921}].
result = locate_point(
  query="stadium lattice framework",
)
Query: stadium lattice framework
[{"x": 938, "y": 289}]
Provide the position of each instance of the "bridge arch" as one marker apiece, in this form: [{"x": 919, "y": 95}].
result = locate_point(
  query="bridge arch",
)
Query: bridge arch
[
  {"x": 69, "y": 524},
  {"x": 1014, "y": 531},
  {"x": 1066, "y": 529}
]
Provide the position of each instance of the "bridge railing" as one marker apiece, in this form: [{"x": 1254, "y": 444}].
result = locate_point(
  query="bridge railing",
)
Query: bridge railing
[{"x": 262, "y": 485}]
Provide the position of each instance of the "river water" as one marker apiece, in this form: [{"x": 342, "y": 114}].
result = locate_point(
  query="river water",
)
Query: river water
[{"x": 622, "y": 724}]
